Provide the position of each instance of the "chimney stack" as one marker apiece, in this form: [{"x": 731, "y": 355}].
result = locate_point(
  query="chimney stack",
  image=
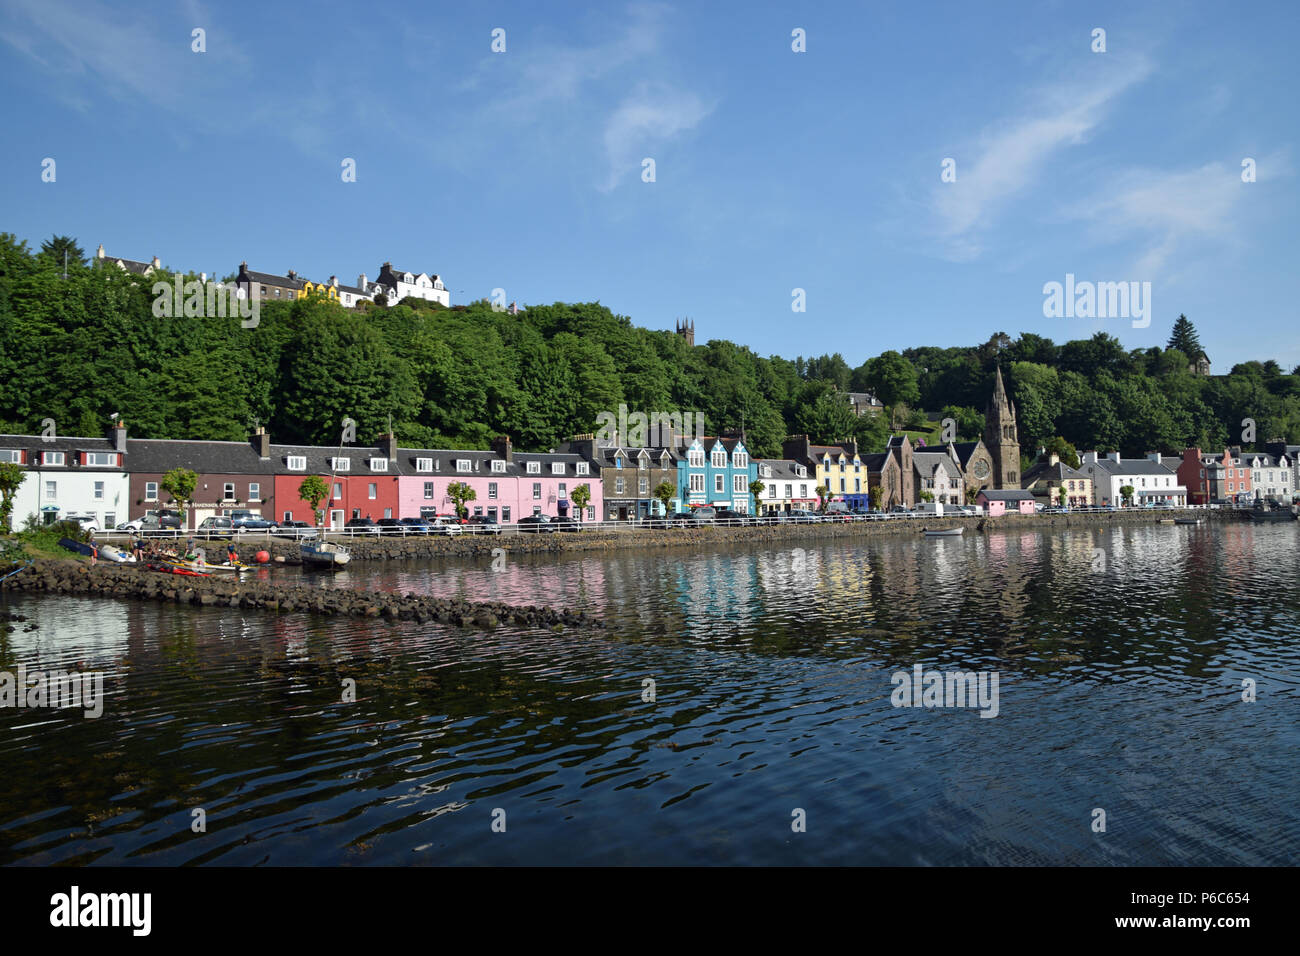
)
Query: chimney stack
[
  {"x": 1154, "y": 456},
  {"x": 1113, "y": 456},
  {"x": 503, "y": 447},
  {"x": 119, "y": 435},
  {"x": 1053, "y": 458},
  {"x": 262, "y": 443},
  {"x": 361, "y": 282},
  {"x": 388, "y": 445}
]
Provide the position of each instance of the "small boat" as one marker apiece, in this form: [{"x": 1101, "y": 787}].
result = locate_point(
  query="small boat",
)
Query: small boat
[
  {"x": 168, "y": 567},
  {"x": 80, "y": 547},
  {"x": 110, "y": 553},
  {"x": 1188, "y": 520},
  {"x": 324, "y": 554},
  {"x": 1270, "y": 514},
  {"x": 942, "y": 533}
]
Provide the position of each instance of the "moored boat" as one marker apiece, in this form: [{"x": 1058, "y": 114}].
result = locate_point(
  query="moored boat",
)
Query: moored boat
[
  {"x": 110, "y": 553},
  {"x": 1188, "y": 520},
  {"x": 172, "y": 567},
  {"x": 942, "y": 532},
  {"x": 1270, "y": 514},
  {"x": 324, "y": 554}
]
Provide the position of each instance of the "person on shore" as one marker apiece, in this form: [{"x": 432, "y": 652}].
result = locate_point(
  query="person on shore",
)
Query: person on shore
[{"x": 231, "y": 557}]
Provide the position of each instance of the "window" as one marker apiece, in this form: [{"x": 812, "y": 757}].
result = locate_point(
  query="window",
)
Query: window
[
  {"x": 557, "y": 468},
  {"x": 428, "y": 490},
  {"x": 803, "y": 491},
  {"x": 537, "y": 491},
  {"x": 789, "y": 489},
  {"x": 51, "y": 458},
  {"x": 695, "y": 458},
  {"x": 98, "y": 458},
  {"x": 740, "y": 460},
  {"x": 534, "y": 467},
  {"x": 857, "y": 485},
  {"x": 619, "y": 486},
  {"x": 388, "y": 512},
  {"x": 498, "y": 467},
  {"x": 297, "y": 463},
  {"x": 581, "y": 467},
  {"x": 288, "y": 516},
  {"x": 738, "y": 483},
  {"x": 374, "y": 491},
  {"x": 99, "y": 491},
  {"x": 462, "y": 466},
  {"x": 718, "y": 485},
  {"x": 643, "y": 486},
  {"x": 151, "y": 491},
  {"x": 341, "y": 464},
  {"x": 424, "y": 464},
  {"x": 378, "y": 464},
  {"x": 110, "y": 519},
  {"x": 228, "y": 491},
  {"x": 719, "y": 458},
  {"x": 591, "y": 512},
  {"x": 492, "y": 490},
  {"x": 11, "y": 456},
  {"x": 51, "y": 489},
  {"x": 254, "y": 491},
  {"x": 338, "y": 490},
  {"x": 841, "y": 485},
  {"x": 771, "y": 491},
  {"x": 697, "y": 482},
  {"x": 505, "y": 514},
  {"x": 642, "y": 463},
  {"x": 1230, "y": 486}
]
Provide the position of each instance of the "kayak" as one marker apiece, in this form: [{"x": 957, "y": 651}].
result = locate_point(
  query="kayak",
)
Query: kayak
[
  {"x": 169, "y": 568},
  {"x": 78, "y": 546}
]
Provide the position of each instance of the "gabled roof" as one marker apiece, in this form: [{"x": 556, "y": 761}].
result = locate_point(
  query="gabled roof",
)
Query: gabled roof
[
  {"x": 1133, "y": 466},
  {"x": 68, "y": 444},
  {"x": 992, "y": 494},
  {"x": 1057, "y": 472}
]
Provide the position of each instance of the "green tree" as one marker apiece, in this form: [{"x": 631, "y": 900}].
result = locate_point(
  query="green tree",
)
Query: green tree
[
  {"x": 822, "y": 493},
  {"x": 756, "y": 488},
  {"x": 892, "y": 378},
  {"x": 874, "y": 494},
  {"x": 581, "y": 496},
  {"x": 56, "y": 247},
  {"x": 1126, "y": 494},
  {"x": 313, "y": 489},
  {"x": 1063, "y": 450},
  {"x": 459, "y": 492},
  {"x": 11, "y": 476},
  {"x": 180, "y": 484},
  {"x": 665, "y": 491},
  {"x": 1183, "y": 338}
]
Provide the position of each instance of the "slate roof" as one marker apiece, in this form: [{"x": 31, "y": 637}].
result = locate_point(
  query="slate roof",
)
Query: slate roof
[
  {"x": 925, "y": 463},
  {"x": 1057, "y": 472},
  {"x": 69, "y": 445},
  {"x": 1134, "y": 466},
  {"x": 992, "y": 494},
  {"x": 783, "y": 469},
  {"x": 876, "y": 461},
  {"x": 130, "y": 265}
]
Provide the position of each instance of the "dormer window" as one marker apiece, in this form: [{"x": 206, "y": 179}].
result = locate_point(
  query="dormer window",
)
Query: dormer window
[
  {"x": 51, "y": 458},
  {"x": 462, "y": 466},
  {"x": 740, "y": 460},
  {"x": 695, "y": 458},
  {"x": 424, "y": 464},
  {"x": 101, "y": 458},
  {"x": 498, "y": 467},
  {"x": 11, "y": 456},
  {"x": 341, "y": 464},
  {"x": 719, "y": 458},
  {"x": 296, "y": 463},
  {"x": 582, "y": 468},
  {"x": 534, "y": 467},
  {"x": 378, "y": 464},
  {"x": 557, "y": 468}
]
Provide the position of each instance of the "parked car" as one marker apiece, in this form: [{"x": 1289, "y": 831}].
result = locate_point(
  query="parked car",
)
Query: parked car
[
  {"x": 216, "y": 526},
  {"x": 565, "y": 523},
  {"x": 440, "y": 525},
  {"x": 483, "y": 524},
  {"x": 799, "y": 516},
  {"x": 84, "y": 522},
  {"x": 390, "y": 526},
  {"x": 683, "y": 519},
  {"x": 244, "y": 520},
  {"x": 414, "y": 525},
  {"x": 535, "y": 524},
  {"x": 729, "y": 516},
  {"x": 362, "y": 526},
  {"x": 150, "y": 526},
  {"x": 453, "y": 519},
  {"x": 298, "y": 529}
]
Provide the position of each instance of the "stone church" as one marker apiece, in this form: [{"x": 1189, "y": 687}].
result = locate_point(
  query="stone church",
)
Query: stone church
[{"x": 1000, "y": 437}]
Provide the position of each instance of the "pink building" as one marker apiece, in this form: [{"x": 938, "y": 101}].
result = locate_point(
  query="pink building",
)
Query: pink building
[
  {"x": 506, "y": 486},
  {"x": 1006, "y": 501}
]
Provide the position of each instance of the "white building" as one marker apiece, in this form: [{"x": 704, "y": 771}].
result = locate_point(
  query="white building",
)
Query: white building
[
  {"x": 70, "y": 478},
  {"x": 398, "y": 284},
  {"x": 1270, "y": 476},
  {"x": 786, "y": 486},
  {"x": 1151, "y": 479}
]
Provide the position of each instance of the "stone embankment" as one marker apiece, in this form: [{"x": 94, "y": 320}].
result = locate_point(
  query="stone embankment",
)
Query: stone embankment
[
  {"x": 73, "y": 576},
  {"x": 382, "y": 548}
]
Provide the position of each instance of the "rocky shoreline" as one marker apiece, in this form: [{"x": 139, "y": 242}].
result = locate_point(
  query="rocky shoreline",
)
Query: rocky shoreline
[{"x": 50, "y": 576}]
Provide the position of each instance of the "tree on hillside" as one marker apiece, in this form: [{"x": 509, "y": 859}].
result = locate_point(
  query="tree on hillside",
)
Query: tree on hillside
[
  {"x": 892, "y": 378},
  {"x": 55, "y": 247},
  {"x": 1183, "y": 337},
  {"x": 1063, "y": 450}
]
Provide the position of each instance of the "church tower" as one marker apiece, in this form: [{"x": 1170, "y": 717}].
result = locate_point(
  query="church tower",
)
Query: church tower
[
  {"x": 1000, "y": 437},
  {"x": 687, "y": 330}
]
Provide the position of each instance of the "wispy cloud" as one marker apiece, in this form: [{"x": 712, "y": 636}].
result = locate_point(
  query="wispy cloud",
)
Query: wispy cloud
[
  {"x": 1009, "y": 156},
  {"x": 644, "y": 122}
]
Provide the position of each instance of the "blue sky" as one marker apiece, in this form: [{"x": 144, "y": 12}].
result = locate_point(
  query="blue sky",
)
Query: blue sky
[{"x": 775, "y": 170}]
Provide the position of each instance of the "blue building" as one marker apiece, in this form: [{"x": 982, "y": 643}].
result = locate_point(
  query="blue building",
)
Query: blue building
[{"x": 715, "y": 472}]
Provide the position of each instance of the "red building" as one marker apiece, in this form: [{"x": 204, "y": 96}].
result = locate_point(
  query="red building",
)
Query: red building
[
  {"x": 1207, "y": 478},
  {"x": 364, "y": 481}
]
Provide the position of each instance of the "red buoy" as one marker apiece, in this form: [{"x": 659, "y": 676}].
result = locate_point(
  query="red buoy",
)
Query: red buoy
[{"x": 262, "y": 557}]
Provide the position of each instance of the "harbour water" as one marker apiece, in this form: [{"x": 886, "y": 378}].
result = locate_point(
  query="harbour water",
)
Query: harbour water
[{"x": 1120, "y": 659}]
